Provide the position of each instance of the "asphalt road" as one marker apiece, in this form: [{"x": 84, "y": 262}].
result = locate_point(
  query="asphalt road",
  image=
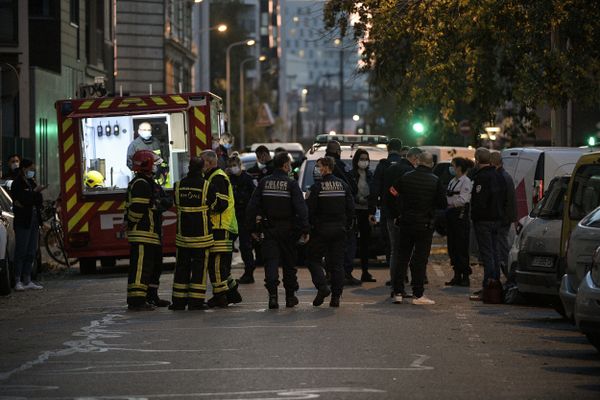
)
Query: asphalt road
[{"x": 75, "y": 339}]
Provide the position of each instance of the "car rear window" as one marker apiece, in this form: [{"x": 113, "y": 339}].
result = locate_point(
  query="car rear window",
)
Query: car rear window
[
  {"x": 585, "y": 194},
  {"x": 553, "y": 202}
]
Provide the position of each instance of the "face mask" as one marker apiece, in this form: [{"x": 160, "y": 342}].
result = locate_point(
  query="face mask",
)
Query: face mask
[
  {"x": 154, "y": 169},
  {"x": 363, "y": 164},
  {"x": 14, "y": 165},
  {"x": 30, "y": 174},
  {"x": 451, "y": 170},
  {"x": 260, "y": 165},
  {"x": 145, "y": 134},
  {"x": 227, "y": 146},
  {"x": 235, "y": 170}
]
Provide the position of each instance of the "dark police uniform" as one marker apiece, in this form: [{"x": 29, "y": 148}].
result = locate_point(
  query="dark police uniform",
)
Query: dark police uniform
[
  {"x": 243, "y": 187},
  {"x": 194, "y": 238},
  {"x": 146, "y": 201},
  {"x": 224, "y": 223},
  {"x": 419, "y": 193},
  {"x": 331, "y": 211},
  {"x": 279, "y": 201}
]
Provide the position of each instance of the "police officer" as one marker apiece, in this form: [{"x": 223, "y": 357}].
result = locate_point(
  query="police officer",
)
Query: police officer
[
  {"x": 264, "y": 164},
  {"x": 194, "y": 237},
  {"x": 419, "y": 193},
  {"x": 279, "y": 201},
  {"x": 458, "y": 196},
  {"x": 224, "y": 223},
  {"x": 146, "y": 201},
  {"x": 331, "y": 212}
]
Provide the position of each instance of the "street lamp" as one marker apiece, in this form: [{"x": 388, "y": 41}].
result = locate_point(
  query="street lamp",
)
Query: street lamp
[
  {"x": 247, "y": 42},
  {"x": 242, "y": 95}
]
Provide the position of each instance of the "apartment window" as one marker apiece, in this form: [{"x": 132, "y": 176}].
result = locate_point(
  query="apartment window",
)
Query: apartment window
[
  {"x": 9, "y": 22},
  {"x": 42, "y": 9},
  {"x": 74, "y": 12}
]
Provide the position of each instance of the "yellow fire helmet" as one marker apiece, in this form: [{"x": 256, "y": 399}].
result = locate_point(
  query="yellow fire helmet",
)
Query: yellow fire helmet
[{"x": 93, "y": 179}]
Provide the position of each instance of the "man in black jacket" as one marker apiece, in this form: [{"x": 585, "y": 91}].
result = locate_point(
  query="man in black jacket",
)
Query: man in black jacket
[
  {"x": 279, "y": 201},
  {"x": 487, "y": 211},
  {"x": 331, "y": 212},
  {"x": 243, "y": 186},
  {"x": 263, "y": 166},
  {"x": 419, "y": 193}
]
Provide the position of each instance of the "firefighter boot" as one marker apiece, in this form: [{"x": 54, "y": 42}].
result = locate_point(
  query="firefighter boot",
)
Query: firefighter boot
[
  {"x": 152, "y": 298},
  {"x": 234, "y": 296},
  {"x": 321, "y": 295},
  {"x": 290, "y": 299},
  {"x": 218, "y": 300}
]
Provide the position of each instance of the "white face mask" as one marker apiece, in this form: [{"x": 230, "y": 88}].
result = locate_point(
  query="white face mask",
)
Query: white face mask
[
  {"x": 260, "y": 165},
  {"x": 363, "y": 164},
  {"x": 145, "y": 134},
  {"x": 235, "y": 170},
  {"x": 30, "y": 174}
]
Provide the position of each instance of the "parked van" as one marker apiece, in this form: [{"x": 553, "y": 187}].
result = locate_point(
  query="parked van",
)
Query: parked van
[
  {"x": 583, "y": 196},
  {"x": 534, "y": 167},
  {"x": 447, "y": 153}
]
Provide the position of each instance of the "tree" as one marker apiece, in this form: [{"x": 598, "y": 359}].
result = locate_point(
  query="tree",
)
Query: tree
[{"x": 464, "y": 59}]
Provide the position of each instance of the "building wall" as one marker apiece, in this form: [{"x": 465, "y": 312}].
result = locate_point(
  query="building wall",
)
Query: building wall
[{"x": 140, "y": 35}]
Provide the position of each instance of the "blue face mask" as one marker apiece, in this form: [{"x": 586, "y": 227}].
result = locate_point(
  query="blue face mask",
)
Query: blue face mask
[{"x": 451, "y": 170}]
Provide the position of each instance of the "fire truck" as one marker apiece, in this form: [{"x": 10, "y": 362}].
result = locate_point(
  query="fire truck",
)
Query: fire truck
[{"x": 94, "y": 135}]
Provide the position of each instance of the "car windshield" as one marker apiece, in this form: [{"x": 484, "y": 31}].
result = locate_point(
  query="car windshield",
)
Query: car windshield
[
  {"x": 552, "y": 204},
  {"x": 309, "y": 172}
]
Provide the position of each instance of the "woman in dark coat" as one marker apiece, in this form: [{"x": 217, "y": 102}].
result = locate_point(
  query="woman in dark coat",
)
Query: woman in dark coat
[
  {"x": 363, "y": 177},
  {"x": 27, "y": 204}
]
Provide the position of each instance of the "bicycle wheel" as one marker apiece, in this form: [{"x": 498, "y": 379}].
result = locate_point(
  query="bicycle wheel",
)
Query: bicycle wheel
[{"x": 54, "y": 247}]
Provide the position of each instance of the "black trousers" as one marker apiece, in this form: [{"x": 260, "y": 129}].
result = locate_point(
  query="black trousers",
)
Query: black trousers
[
  {"x": 364, "y": 236},
  {"x": 331, "y": 246},
  {"x": 246, "y": 247},
  {"x": 145, "y": 267},
  {"x": 458, "y": 241},
  {"x": 415, "y": 246},
  {"x": 189, "y": 279},
  {"x": 279, "y": 248}
]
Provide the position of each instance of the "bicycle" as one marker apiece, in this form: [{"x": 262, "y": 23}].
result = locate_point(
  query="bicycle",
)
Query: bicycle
[{"x": 54, "y": 236}]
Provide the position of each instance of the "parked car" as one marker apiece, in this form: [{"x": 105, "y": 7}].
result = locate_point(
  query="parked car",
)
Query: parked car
[
  {"x": 295, "y": 149},
  {"x": 583, "y": 242},
  {"x": 532, "y": 169},
  {"x": 583, "y": 196},
  {"x": 587, "y": 303},
  {"x": 538, "y": 243}
]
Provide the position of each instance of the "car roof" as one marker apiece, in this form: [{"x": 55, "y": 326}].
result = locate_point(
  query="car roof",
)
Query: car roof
[{"x": 289, "y": 146}]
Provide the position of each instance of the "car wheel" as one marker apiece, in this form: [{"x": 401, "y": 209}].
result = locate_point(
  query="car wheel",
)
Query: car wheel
[
  {"x": 87, "y": 266},
  {"x": 594, "y": 339}
]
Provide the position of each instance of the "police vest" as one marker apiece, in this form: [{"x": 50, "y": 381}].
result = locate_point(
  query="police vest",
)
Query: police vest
[
  {"x": 142, "y": 213},
  {"x": 225, "y": 220},
  {"x": 193, "y": 224}
]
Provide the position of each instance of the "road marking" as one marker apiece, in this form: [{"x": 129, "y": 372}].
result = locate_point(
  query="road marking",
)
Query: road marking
[{"x": 287, "y": 394}]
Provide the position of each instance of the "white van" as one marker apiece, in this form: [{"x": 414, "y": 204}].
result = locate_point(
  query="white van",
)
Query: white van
[
  {"x": 531, "y": 167},
  {"x": 295, "y": 149}
]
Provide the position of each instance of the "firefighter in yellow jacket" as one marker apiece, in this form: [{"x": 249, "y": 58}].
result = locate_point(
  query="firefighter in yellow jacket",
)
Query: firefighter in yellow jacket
[
  {"x": 194, "y": 237},
  {"x": 224, "y": 223},
  {"x": 146, "y": 201}
]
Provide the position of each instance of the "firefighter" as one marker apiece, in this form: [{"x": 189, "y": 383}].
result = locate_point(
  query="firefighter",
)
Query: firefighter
[
  {"x": 145, "y": 141},
  {"x": 224, "y": 223},
  {"x": 279, "y": 201},
  {"x": 331, "y": 212},
  {"x": 193, "y": 239},
  {"x": 146, "y": 201}
]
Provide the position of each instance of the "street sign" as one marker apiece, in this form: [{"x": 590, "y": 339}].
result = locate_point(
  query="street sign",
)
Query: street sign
[{"x": 265, "y": 116}]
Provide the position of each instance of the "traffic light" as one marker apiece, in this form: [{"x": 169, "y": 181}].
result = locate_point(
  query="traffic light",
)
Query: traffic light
[
  {"x": 591, "y": 141},
  {"x": 418, "y": 128}
]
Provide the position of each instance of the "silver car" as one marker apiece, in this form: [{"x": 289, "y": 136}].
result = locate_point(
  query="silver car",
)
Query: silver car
[
  {"x": 538, "y": 243},
  {"x": 582, "y": 244},
  {"x": 587, "y": 303}
]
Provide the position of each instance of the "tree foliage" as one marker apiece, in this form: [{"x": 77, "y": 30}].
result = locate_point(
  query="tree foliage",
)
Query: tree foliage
[{"x": 455, "y": 59}]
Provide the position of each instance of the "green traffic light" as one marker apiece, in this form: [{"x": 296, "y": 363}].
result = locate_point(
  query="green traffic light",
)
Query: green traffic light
[
  {"x": 418, "y": 127},
  {"x": 591, "y": 141}
]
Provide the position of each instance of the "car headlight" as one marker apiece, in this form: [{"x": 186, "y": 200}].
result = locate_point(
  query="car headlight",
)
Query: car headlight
[{"x": 595, "y": 271}]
